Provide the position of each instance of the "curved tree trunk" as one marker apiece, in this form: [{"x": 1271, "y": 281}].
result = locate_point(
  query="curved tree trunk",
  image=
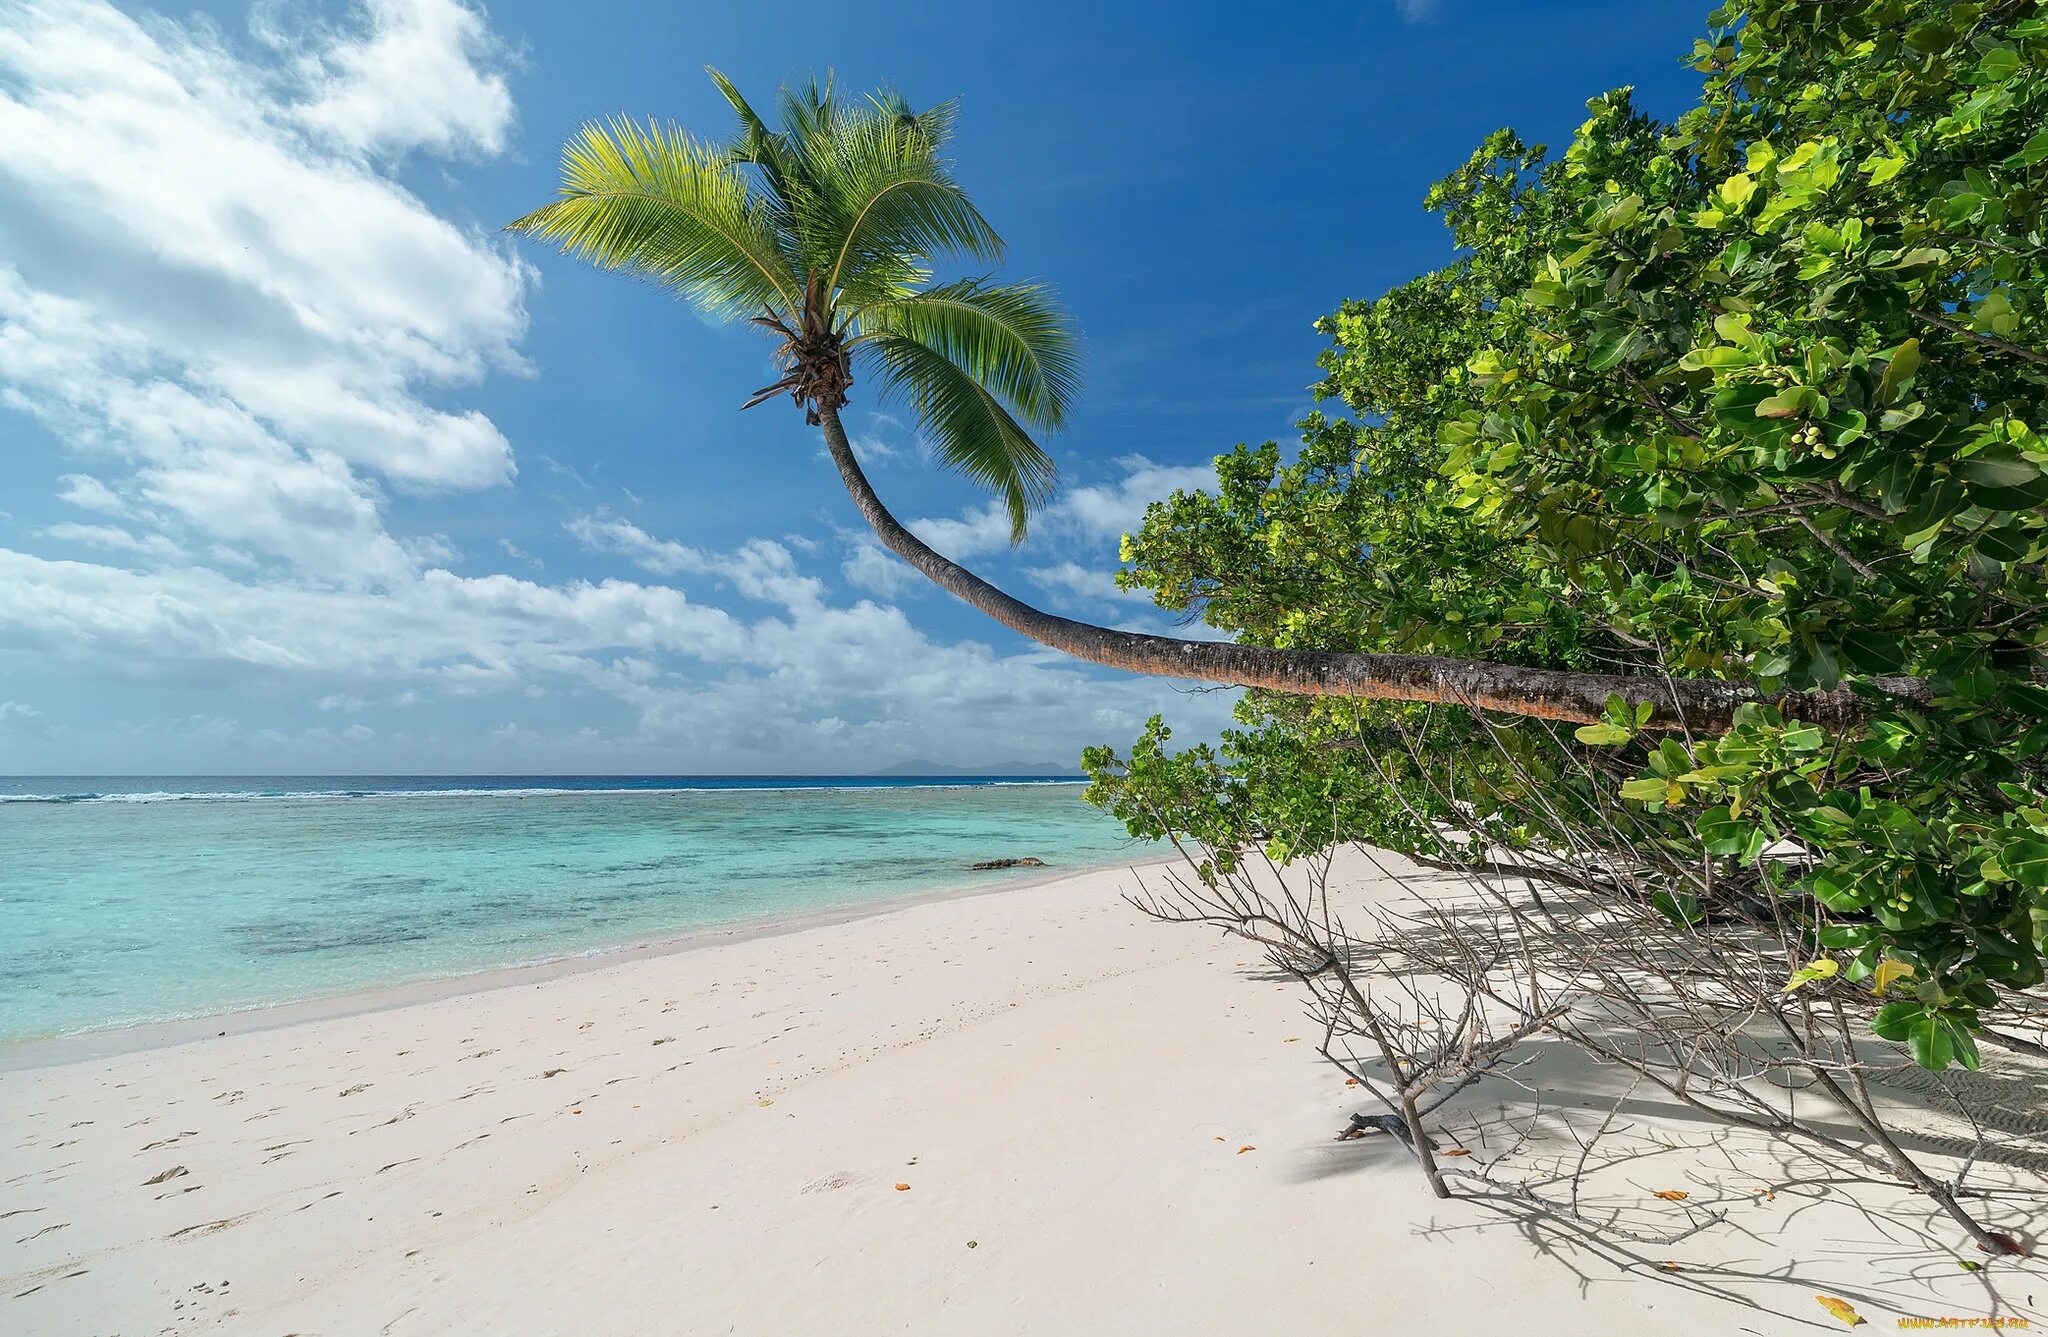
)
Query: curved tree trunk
[{"x": 1552, "y": 694}]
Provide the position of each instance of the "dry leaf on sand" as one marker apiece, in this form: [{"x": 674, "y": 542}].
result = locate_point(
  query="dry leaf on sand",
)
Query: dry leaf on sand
[{"x": 1841, "y": 1309}]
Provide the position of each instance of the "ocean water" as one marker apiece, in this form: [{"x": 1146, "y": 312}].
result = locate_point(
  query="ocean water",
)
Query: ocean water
[{"x": 129, "y": 900}]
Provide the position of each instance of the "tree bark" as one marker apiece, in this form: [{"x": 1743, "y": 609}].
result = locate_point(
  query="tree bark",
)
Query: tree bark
[{"x": 1706, "y": 705}]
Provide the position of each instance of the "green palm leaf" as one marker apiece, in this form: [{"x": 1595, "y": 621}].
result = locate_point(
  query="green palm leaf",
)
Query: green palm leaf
[
  {"x": 658, "y": 204},
  {"x": 878, "y": 207},
  {"x": 1011, "y": 338},
  {"x": 969, "y": 427}
]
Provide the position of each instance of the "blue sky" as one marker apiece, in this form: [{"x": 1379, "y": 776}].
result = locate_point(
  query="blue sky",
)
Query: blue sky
[{"x": 306, "y": 467}]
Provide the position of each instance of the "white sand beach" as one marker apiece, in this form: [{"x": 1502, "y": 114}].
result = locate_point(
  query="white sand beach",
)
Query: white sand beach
[{"x": 1030, "y": 1111}]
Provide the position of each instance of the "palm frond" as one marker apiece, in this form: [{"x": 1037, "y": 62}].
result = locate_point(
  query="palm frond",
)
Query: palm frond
[
  {"x": 1012, "y": 338},
  {"x": 806, "y": 112},
  {"x": 882, "y": 206},
  {"x": 758, "y": 145},
  {"x": 969, "y": 427},
  {"x": 654, "y": 202},
  {"x": 935, "y": 124}
]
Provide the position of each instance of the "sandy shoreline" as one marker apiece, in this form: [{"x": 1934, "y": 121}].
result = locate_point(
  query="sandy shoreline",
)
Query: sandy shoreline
[
  {"x": 1104, "y": 1125},
  {"x": 106, "y": 1042}
]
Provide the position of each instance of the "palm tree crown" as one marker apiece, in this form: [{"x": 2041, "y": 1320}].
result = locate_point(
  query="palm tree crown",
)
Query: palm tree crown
[{"x": 827, "y": 232}]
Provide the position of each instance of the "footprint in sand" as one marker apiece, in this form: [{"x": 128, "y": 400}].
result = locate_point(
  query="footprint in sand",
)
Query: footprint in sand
[
  {"x": 826, "y": 1183},
  {"x": 23, "y": 1295},
  {"x": 165, "y": 1175},
  {"x": 359, "y": 1086},
  {"x": 167, "y": 1141},
  {"x": 209, "y": 1227}
]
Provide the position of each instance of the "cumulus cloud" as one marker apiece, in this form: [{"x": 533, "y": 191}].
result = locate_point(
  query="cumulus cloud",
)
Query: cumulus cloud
[
  {"x": 461, "y": 632},
  {"x": 760, "y": 569},
  {"x": 416, "y": 74},
  {"x": 23, "y": 720},
  {"x": 886, "y": 688},
  {"x": 882, "y": 438},
  {"x": 90, "y": 494},
  {"x": 210, "y": 292},
  {"x": 983, "y": 529},
  {"x": 1111, "y": 510},
  {"x": 1095, "y": 512},
  {"x": 1089, "y": 582},
  {"x": 868, "y": 566},
  {"x": 115, "y": 537}
]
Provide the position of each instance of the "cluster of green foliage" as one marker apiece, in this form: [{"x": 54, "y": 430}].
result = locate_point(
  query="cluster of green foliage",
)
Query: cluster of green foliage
[{"x": 1755, "y": 394}]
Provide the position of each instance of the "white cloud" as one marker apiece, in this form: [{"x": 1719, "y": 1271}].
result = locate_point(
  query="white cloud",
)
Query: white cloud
[
  {"x": 23, "y": 720},
  {"x": 1090, "y": 582},
  {"x": 460, "y": 632},
  {"x": 882, "y": 440},
  {"x": 90, "y": 494},
  {"x": 1096, "y": 512},
  {"x": 240, "y": 313},
  {"x": 984, "y": 529},
  {"x": 517, "y": 554},
  {"x": 869, "y": 567},
  {"x": 1110, "y": 510},
  {"x": 115, "y": 537},
  {"x": 828, "y": 683},
  {"x": 419, "y": 74},
  {"x": 760, "y": 569}
]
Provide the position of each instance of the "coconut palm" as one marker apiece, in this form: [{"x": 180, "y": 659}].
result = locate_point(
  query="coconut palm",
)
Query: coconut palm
[{"x": 826, "y": 231}]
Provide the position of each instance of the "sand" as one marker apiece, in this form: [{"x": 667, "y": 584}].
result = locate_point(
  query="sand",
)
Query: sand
[{"x": 1033, "y": 1111}]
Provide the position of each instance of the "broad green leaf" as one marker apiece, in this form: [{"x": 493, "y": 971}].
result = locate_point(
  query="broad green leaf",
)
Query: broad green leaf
[
  {"x": 1869, "y": 651},
  {"x": 1721, "y": 833},
  {"x": 1823, "y": 969},
  {"x": 2025, "y": 860},
  {"x": 1899, "y": 370},
  {"x": 1796, "y": 402}
]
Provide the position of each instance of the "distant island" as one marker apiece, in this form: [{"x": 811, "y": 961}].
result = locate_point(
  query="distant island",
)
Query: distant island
[{"x": 1022, "y": 769}]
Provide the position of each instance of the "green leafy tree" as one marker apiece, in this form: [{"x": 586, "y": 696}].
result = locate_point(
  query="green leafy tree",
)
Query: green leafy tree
[
  {"x": 1757, "y": 394},
  {"x": 827, "y": 230}
]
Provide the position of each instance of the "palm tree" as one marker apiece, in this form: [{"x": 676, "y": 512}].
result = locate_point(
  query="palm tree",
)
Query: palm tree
[{"x": 825, "y": 232}]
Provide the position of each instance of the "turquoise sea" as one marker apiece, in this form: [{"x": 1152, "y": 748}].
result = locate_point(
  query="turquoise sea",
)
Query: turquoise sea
[{"x": 127, "y": 899}]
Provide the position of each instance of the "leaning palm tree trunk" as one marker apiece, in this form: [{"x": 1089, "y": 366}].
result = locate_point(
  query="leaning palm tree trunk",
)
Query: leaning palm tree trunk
[{"x": 1553, "y": 694}]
